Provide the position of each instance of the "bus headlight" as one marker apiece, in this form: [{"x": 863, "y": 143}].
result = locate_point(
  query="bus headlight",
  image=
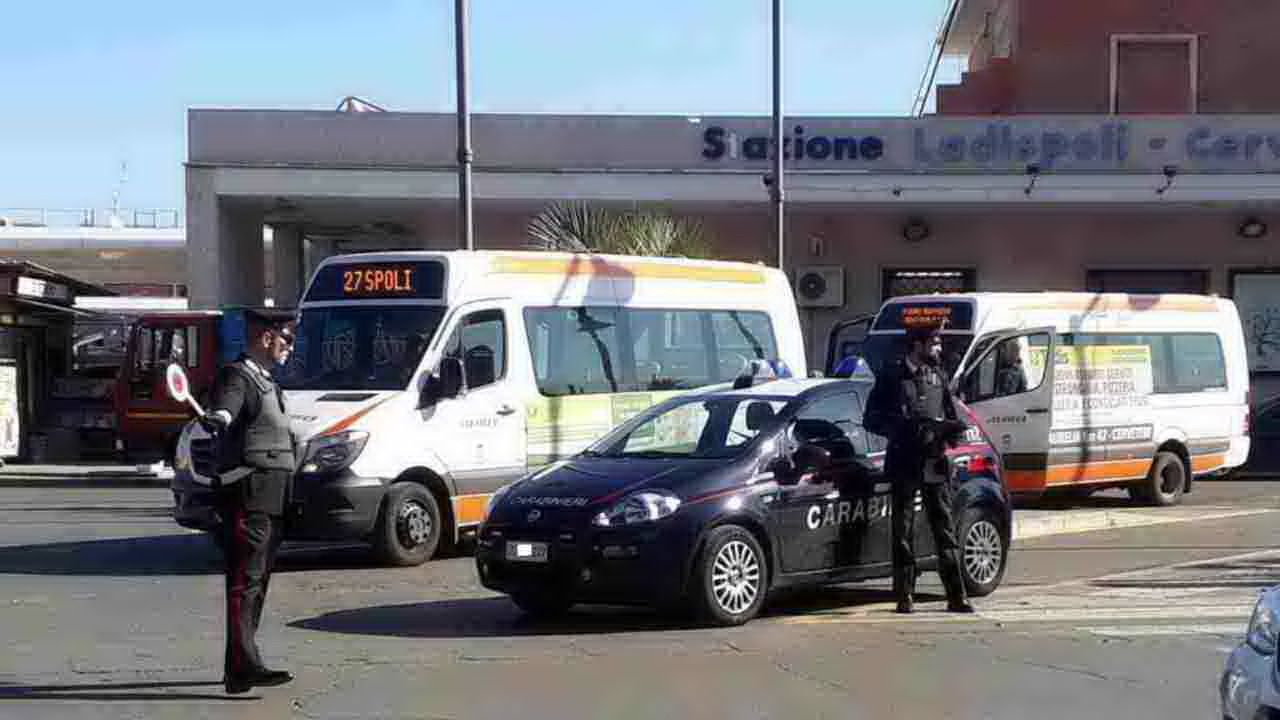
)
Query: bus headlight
[
  {"x": 328, "y": 453},
  {"x": 640, "y": 507}
]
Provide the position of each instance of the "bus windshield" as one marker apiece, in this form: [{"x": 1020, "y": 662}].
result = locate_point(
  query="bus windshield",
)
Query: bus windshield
[
  {"x": 360, "y": 347},
  {"x": 883, "y": 348}
]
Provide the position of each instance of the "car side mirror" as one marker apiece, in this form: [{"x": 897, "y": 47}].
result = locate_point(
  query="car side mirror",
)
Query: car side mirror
[
  {"x": 784, "y": 471},
  {"x": 446, "y": 382},
  {"x": 809, "y": 458}
]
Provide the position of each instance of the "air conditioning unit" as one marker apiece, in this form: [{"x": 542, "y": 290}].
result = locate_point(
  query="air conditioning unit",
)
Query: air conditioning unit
[{"x": 820, "y": 286}]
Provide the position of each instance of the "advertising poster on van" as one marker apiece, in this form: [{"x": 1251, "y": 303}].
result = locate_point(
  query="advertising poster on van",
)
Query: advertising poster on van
[{"x": 1099, "y": 394}]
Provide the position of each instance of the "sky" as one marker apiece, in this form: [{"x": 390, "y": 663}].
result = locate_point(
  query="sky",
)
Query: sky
[{"x": 89, "y": 85}]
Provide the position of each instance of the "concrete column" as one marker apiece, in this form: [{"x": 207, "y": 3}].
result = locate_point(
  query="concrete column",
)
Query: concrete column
[
  {"x": 288, "y": 274},
  {"x": 203, "y": 268},
  {"x": 314, "y": 251},
  {"x": 224, "y": 247},
  {"x": 241, "y": 255}
]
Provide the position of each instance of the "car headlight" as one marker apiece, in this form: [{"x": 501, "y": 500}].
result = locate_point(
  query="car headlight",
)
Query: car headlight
[
  {"x": 328, "y": 453},
  {"x": 640, "y": 507},
  {"x": 1264, "y": 626}
]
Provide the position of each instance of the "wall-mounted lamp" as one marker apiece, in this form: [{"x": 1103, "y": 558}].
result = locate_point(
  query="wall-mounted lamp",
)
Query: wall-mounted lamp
[
  {"x": 1033, "y": 172},
  {"x": 915, "y": 230},
  {"x": 1252, "y": 228},
  {"x": 1170, "y": 172}
]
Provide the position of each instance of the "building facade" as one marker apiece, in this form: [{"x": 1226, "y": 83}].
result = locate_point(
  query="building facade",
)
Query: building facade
[{"x": 1094, "y": 145}]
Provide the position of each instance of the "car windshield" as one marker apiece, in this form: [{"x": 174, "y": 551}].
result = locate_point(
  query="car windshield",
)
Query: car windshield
[
  {"x": 700, "y": 428},
  {"x": 359, "y": 347}
]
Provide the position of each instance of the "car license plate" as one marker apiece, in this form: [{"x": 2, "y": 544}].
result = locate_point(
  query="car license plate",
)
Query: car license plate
[{"x": 518, "y": 551}]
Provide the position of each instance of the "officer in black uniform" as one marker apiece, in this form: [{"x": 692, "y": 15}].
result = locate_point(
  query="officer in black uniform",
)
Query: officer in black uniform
[
  {"x": 253, "y": 461},
  {"x": 911, "y": 404}
]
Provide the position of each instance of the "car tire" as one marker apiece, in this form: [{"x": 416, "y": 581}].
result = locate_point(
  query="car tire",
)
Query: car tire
[
  {"x": 731, "y": 577},
  {"x": 408, "y": 529},
  {"x": 984, "y": 550},
  {"x": 542, "y": 604},
  {"x": 1165, "y": 482}
]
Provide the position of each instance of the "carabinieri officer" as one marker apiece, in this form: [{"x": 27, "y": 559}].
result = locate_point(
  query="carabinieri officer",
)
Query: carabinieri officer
[{"x": 255, "y": 461}]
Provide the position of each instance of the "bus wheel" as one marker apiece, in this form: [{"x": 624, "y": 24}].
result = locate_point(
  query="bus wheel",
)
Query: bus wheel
[
  {"x": 409, "y": 525},
  {"x": 1165, "y": 482}
]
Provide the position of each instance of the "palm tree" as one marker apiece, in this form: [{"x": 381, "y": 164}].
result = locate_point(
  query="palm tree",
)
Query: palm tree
[{"x": 578, "y": 227}]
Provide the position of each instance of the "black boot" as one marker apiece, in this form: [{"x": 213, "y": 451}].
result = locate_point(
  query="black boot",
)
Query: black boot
[{"x": 906, "y": 605}]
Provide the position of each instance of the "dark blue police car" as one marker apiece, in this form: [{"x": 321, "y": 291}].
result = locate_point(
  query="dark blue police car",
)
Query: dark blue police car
[{"x": 714, "y": 498}]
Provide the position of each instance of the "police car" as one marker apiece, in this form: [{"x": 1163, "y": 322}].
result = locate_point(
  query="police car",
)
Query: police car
[{"x": 714, "y": 498}]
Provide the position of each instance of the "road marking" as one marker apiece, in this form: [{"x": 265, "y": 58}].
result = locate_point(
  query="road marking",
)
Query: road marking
[
  {"x": 1048, "y": 523},
  {"x": 874, "y": 615},
  {"x": 1231, "y": 629}
]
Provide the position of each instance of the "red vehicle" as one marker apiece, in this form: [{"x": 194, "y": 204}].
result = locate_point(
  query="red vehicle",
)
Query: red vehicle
[{"x": 148, "y": 421}]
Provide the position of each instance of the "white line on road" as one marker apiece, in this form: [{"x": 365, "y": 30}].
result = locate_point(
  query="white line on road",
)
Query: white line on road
[
  {"x": 1028, "y": 525},
  {"x": 1231, "y": 629}
]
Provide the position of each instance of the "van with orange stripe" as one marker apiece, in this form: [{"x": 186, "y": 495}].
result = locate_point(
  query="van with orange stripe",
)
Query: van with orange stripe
[
  {"x": 421, "y": 382},
  {"x": 1083, "y": 391}
]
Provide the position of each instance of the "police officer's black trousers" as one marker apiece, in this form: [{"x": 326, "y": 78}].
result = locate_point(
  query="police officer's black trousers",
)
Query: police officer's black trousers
[
  {"x": 250, "y": 542},
  {"x": 937, "y": 506}
]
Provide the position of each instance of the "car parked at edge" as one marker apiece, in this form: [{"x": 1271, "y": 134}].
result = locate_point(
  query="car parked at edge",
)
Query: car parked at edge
[
  {"x": 713, "y": 499},
  {"x": 1250, "y": 687}
]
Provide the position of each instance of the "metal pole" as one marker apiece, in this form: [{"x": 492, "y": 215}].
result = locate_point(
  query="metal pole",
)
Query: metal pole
[
  {"x": 462, "y": 20},
  {"x": 776, "y": 187}
]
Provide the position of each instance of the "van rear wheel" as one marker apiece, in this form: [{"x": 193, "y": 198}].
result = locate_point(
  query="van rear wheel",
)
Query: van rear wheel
[{"x": 1165, "y": 482}]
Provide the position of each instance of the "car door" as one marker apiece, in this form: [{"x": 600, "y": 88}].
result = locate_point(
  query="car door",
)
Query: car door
[
  {"x": 834, "y": 518},
  {"x": 480, "y": 434},
  {"x": 1008, "y": 384}
]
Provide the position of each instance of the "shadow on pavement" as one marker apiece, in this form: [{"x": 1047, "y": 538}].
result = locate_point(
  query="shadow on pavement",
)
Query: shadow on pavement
[
  {"x": 499, "y": 617},
  {"x": 124, "y": 692},
  {"x": 188, "y": 554}
]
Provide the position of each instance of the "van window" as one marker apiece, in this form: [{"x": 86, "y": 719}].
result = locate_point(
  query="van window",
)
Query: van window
[
  {"x": 578, "y": 351},
  {"x": 1180, "y": 362},
  {"x": 480, "y": 343},
  {"x": 1014, "y": 367},
  {"x": 1197, "y": 363}
]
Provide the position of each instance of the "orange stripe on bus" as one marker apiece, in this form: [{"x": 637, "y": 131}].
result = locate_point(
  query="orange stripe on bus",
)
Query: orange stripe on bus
[
  {"x": 351, "y": 419},
  {"x": 1205, "y": 463},
  {"x": 469, "y": 509},
  {"x": 599, "y": 267},
  {"x": 1117, "y": 304},
  {"x": 1059, "y": 475}
]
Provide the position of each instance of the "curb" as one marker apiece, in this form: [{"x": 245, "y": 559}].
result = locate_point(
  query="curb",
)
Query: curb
[{"x": 98, "y": 480}]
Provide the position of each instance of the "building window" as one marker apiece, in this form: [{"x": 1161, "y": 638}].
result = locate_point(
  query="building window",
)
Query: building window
[
  {"x": 1257, "y": 297},
  {"x": 923, "y": 281},
  {"x": 1195, "y": 282},
  {"x": 1154, "y": 74}
]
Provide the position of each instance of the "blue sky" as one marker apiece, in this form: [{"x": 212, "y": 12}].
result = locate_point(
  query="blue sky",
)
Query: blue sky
[{"x": 89, "y": 84}]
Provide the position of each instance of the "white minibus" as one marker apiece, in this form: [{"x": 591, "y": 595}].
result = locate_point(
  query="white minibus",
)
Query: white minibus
[
  {"x": 423, "y": 381},
  {"x": 1144, "y": 392}
]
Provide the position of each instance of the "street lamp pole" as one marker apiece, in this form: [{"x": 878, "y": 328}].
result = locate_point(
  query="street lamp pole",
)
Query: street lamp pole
[
  {"x": 776, "y": 193},
  {"x": 461, "y": 18}
]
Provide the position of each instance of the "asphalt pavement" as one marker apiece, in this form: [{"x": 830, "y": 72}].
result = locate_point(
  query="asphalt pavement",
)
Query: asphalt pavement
[{"x": 109, "y": 610}]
